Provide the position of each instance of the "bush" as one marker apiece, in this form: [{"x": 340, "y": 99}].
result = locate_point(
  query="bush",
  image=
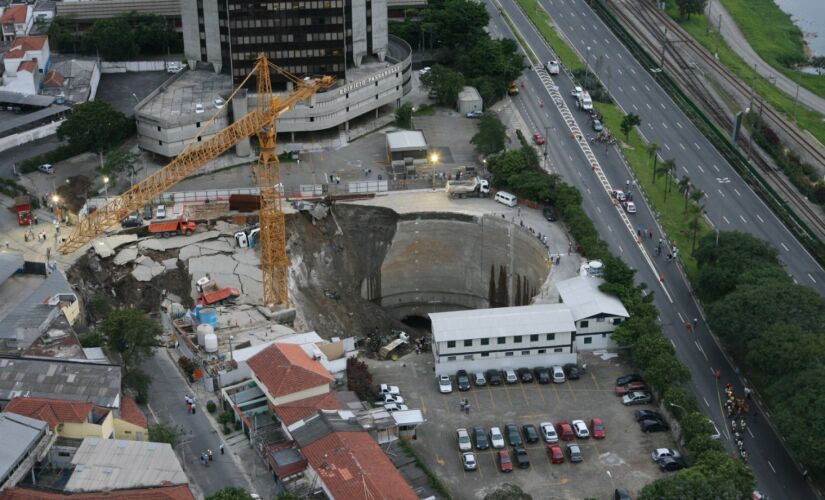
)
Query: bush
[
  {"x": 211, "y": 406},
  {"x": 359, "y": 379},
  {"x": 92, "y": 338},
  {"x": 188, "y": 367}
]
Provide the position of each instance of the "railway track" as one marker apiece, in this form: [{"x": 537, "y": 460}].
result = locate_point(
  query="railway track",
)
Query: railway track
[{"x": 681, "y": 71}]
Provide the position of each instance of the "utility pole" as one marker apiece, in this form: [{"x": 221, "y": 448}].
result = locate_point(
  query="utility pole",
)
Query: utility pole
[
  {"x": 718, "y": 36},
  {"x": 662, "y": 55},
  {"x": 795, "y": 99}
]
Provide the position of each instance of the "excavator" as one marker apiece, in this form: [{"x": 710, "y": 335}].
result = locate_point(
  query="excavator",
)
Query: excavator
[{"x": 262, "y": 122}]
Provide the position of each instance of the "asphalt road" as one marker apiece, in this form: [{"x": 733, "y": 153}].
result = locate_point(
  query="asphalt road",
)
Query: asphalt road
[
  {"x": 775, "y": 471},
  {"x": 166, "y": 401},
  {"x": 10, "y": 157}
]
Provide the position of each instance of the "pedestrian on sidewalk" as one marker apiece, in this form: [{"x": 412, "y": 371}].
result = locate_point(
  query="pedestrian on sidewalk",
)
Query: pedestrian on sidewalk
[
  {"x": 35, "y": 220},
  {"x": 748, "y": 392},
  {"x": 221, "y": 448},
  {"x": 209, "y": 453}
]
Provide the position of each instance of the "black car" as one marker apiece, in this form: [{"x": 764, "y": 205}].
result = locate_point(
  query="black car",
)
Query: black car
[
  {"x": 549, "y": 214},
  {"x": 480, "y": 438},
  {"x": 671, "y": 464},
  {"x": 525, "y": 375},
  {"x": 462, "y": 380},
  {"x": 571, "y": 371},
  {"x": 653, "y": 426},
  {"x": 512, "y": 434},
  {"x": 133, "y": 220},
  {"x": 626, "y": 379},
  {"x": 493, "y": 377},
  {"x": 531, "y": 435},
  {"x": 147, "y": 212},
  {"x": 542, "y": 375},
  {"x": 621, "y": 494},
  {"x": 640, "y": 415},
  {"x": 522, "y": 458}
]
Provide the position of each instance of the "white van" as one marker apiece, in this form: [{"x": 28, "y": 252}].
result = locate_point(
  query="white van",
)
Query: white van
[{"x": 506, "y": 198}]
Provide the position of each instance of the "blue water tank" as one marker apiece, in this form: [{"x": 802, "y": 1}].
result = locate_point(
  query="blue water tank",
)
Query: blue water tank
[{"x": 209, "y": 316}]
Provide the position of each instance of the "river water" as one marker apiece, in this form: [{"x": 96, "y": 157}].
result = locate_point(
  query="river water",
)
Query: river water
[{"x": 809, "y": 15}]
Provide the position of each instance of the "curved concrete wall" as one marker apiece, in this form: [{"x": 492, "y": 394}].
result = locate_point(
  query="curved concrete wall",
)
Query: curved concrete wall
[{"x": 442, "y": 262}]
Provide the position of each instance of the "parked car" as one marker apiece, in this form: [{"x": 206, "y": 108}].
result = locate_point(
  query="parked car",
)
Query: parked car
[
  {"x": 548, "y": 213},
  {"x": 637, "y": 398},
  {"x": 160, "y": 212},
  {"x": 621, "y": 390},
  {"x": 660, "y": 453},
  {"x": 510, "y": 376},
  {"x": 389, "y": 398},
  {"x": 463, "y": 438},
  {"x": 496, "y": 439},
  {"x": 552, "y": 67},
  {"x": 219, "y": 102},
  {"x": 565, "y": 431},
  {"x": 474, "y": 114},
  {"x": 504, "y": 462},
  {"x": 538, "y": 139},
  {"x": 462, "y": 380},
  {"x": 555, "y": 454},
  {"x": 597, "y": 125},
  {"x": 571, "y": 371},
  {"x": 531, "y": 435},
  {"x": 469, "y": 461},
  {"x": 479, "y": 380},
  {"x": 640, "y": 415},
  {"x": 493, "y": 377},
  {"x": 548, "y": 432},
  {"x": 132, "y": 220},
  {"x": 445, "y": 386},
  {"x": 389, "y": 389},
  {"x": 597, "y": 428},
  {"x": 480, "y": 436},
  {"x": 424, "y": 70},
  {"x": 147, "y": 212},
  {"x": 391, "y": 407},
  {"x": 629, "y": 207},
  {"x": 619, "y": 195},
  {"x": 576, "y": 91},
  {"x": 653, "y": 426},
  {"x": 198, "y": 108},
  {"x": 522, "y": 458},
  {"x": 512, "y": 434},
  {"x": 525, "y": 375},
  {"x": 46, "y": 168},
  {"x": 668, "y": 464},
  {"x": 542, "y": 375},
  {"x": 173, "y": 67},
  {"x": 621, "y": 494},
  {"x": 574, "y": 453},
  {"x": 580, "y": 428},
  {"x": 633, "y": 377},
  {"x": 558, "y": 375}
]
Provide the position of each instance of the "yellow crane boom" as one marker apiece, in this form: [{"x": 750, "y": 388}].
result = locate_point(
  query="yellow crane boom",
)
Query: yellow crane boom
[{"x": 262, "y": 122}]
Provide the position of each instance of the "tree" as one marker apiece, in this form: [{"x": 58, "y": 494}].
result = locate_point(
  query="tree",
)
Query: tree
[
  {"x": 119, "y": 161},
  {"x": 152, "y": 33},
  {"x": 162, "y": 433},
  {"x": 457, "y": 23},
  {"x": 403, "y": 116},
  {"x": 696, "y": 195},
  {"x": 689, "y": 7},
  {"x": 131, "y": 334},
  {"x": 230, "y": 493},
  {"x": 800, "y": 398},
  {"x": 785, "y": 349},
  {"x": 113, "y": 39},
  {"x": 508, "y": 491},
  {"x": 138, "y": 381},
  {"x": 697, "y": 212},
  {"x": 446, "y": 83},
  {"x": 359, "y": 379},
  {"x": 95, "y": 126},
  {"x": 680, "y": 401},
  {"x": 92, "y": 338},
  {"x": 684, "y": 187},
  {"x": 628, "y": 122},
  {"x": 667, "y": 168},
  {"x": 724, "y": 258},
  {"x": 491, "y": 136},
  {"x": 61, "y": 36},
  {"x": 653, "y": 153},
  {"x": 502, "y": 295}
]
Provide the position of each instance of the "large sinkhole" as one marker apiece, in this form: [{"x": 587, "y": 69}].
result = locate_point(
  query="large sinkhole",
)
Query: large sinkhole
[{"x": 387, "y": 268}]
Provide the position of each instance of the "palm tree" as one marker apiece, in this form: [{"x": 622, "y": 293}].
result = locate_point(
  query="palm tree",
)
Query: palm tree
[
  {"x": 695, "y": 223},
  {"x": 684, "y": 188},
  {"x": 653, "y": 152},
  {"x": 696, "y": 195},
  {"x": 667, "y": 168}
]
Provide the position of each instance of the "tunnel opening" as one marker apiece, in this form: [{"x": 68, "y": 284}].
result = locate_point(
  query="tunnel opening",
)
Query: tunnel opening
[{"x": 418, "y": 322}]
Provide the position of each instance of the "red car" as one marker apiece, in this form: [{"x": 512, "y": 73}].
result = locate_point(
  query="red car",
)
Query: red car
[
  {"x": 538, "y": 139},
  {"x": 565, "y": 431},
  {"x": 597, "y": 429},
  {"x": 621, "y": 390},
  {"x": 555, "y": 454},
  {"x": 504, "y": 462}
]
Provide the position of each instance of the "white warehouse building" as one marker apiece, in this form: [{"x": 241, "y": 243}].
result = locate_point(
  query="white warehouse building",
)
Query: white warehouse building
[{"x": 527, "y": 336}]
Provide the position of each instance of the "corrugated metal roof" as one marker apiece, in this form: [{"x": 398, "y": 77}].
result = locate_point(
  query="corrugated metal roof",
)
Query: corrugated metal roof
[
  {"x": 582, "y": 295},
  {"x": 26, "y": 99},
  {"x": 23, "y": 120},
  {"x": 20, "y": 434},
  {"x": 9, "y": 264},
  {"x": 26, "y": 321},
  {"x": 113, "y": 464},
  {"x": 501, "y": 322},
  {"x": 60, "y": 379},
  {"x": 406, "y": 140}
]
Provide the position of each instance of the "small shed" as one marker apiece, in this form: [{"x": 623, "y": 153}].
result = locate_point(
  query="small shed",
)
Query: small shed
[
  {"x": 469, "y": 100},
  {"x": 406, "y": 149}
]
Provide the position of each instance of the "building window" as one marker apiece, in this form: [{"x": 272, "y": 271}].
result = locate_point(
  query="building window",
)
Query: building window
[
  {"x": 557, "y": 349},
  {"x": 160, "y": 143},
  {"x": 485, "y": 354},
  {"x": 617, "y": 321},
  {"x": 468, "y": 343},
  {"x": 508, "y": 353},
  {"x": 197, "y": 124},
  {"x": 525, "y": 353},
  {"x": 468, "y": 357},
  {"x": 502, "y": 340},
  {"x": 451, "y": 343},
  {"x": 534, "y": 338},
  {"x": 542, "y": 351},
  {"x": 551, "y": 336},
  {"x": 588, "y": 340},
  {"x": 517, "y": 339},
  {"x": 158, "y": 129},
  {"x": 583, "y": 324},
  {"x": 485, "y": 341}
]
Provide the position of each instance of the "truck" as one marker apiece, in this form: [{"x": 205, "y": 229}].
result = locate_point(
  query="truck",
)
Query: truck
[
  {"x": 248, "y": 237},
  {"x": 211, "y": 293},
  {"x": 172, "y": 227},
  {"x": 23, "y": 207},
  {"x": 474, "y": 187}
]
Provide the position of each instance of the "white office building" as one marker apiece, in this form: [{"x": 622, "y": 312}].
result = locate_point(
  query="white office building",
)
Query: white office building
[{"x": 596, "y": 313}]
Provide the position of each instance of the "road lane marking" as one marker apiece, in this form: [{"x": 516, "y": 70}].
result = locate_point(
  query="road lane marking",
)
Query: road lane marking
[
  {"x": 648, "y": 105},
  {"x": 632, "y": 70},
  {"x": 674, "y": 343},
  {"x": 662, "y": 105},
  {"x": 664, "y": 125},
  {"x": 666, "y": 146},
  {"x": 678, "y": 124},
  {"x": 647, "y": 88},
  {"x": 697, "y": 145},
  {"x": 726, "y": 219},
  {"x": 812, "y": 278},
  {"x": 749, "y": 432},
  {"x": 682, "y": 146},
  {"x": 717, "y": 168},
  {"x": 723, "y": 194},
  {"x": 153, "y": 413},
  {"x": 685, "y": 169},
  {"x": 701, "y": 350},
  {"x": 760, "y": 218},
  {"x": 681, "y": 318},
  {"x": 737, "y": 192},
  {"x": 633, "y": 88},
  {"x": 785, "y": 247},
  {"x": 636, "y": 109},
  {"x": 619, "y": 70},
  {"x": 621, "y": 90},
  {"x": 706, "y": 400},
  {"x": 743, "y": 219},
  {"x": 771, "y": 466},
  {"x": 700, "y": 168}
]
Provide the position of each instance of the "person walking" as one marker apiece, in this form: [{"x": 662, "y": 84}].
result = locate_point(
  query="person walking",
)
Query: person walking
[
  {"x": 221, "y": 448},
  {"x": 209, "y": 454},
  {"x": 748, "y": 392}
]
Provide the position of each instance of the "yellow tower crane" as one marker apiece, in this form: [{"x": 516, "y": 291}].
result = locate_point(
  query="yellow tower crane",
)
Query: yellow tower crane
[{"x": 261, "y": 122}]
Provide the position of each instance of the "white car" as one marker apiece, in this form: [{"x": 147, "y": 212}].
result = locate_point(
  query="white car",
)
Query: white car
[
  {"x": 659, "y": 453},
  {"x": 391, "y": 407},
  {"x": 464, "y": 442},
  {"x": 469, "y": 461},
  {"x": 389, "y": 389},
  {"x": 198, "y": 108},
  {"x": 552, "y": 67},
  {"x": 160, "y": 213},
  {"x": 576, "y": 91},
  {"x": 173, "y": 67},
  {"x": 630, "y": 207},
  {"x": 445, "y": 386},
  {"x": 389, "y": 398},
  {"x": 424, "y": 71},
  {"x": 558, "y": 375},
  {"x": 510, "y": 376},
  {"x": 496, "y": 438},
  {"x": 580, "y": 428},
  {"x": 548, "y": 432},
  {"x": 619, "y": 195},
  {"x": 46, "y": 168}
]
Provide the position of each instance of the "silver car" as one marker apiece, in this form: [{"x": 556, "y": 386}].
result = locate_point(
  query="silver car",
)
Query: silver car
[
  {"x": 463, "y": 437},
  {"x": 558, "y": 375},
  {"x": 469, "y": 461},
  {"x": 496, "y": 438}
]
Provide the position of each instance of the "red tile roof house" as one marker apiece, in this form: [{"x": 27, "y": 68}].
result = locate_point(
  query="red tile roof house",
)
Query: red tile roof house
[
  {"x": 181, "y": 492},
  {"x": 16, "y": 21}
]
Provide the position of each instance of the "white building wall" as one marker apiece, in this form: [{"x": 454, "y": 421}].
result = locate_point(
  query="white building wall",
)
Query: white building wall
[{"x": 359, "y": 30}]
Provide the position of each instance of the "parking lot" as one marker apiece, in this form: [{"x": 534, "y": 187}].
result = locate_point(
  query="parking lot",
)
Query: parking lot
[{"x": 622, "y": 459}]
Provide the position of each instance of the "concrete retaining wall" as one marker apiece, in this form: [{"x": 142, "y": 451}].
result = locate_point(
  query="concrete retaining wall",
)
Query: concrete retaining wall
[{"x": 34, "y": 134}]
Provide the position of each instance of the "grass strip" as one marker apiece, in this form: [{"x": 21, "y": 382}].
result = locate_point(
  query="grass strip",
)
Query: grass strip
[{"x": 435, "y": 482}]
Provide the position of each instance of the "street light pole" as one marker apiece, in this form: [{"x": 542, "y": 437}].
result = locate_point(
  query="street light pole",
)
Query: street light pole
[
  {"x": 433, "y": 162},
  {"x": 106, "y": 187}
]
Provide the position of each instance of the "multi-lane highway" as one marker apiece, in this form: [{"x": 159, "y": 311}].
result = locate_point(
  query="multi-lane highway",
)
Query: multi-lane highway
[{"x": 731, "y": 206}]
